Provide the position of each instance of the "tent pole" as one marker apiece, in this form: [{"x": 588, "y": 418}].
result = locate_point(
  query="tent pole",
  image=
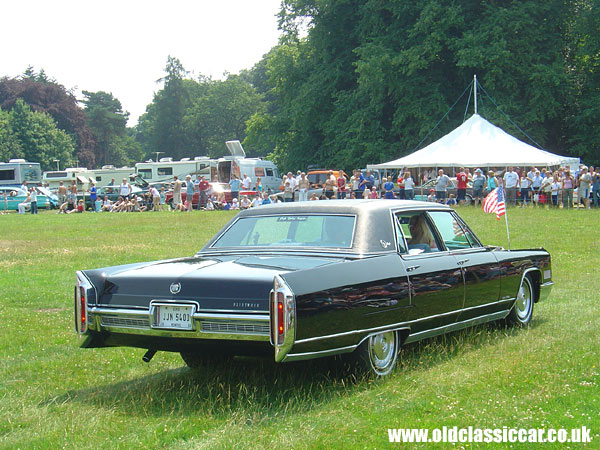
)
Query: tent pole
[{"x": 475, "y": 91}]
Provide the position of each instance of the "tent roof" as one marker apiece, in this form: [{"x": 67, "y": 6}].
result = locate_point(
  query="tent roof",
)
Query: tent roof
[{"x": 477, "y": 143}]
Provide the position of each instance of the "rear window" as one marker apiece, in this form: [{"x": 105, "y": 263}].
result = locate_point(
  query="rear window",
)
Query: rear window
[{"x": 308, "y": 230}]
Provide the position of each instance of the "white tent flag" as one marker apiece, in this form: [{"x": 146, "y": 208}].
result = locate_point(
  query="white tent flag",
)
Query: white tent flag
[{"x": 478, "y": 143}]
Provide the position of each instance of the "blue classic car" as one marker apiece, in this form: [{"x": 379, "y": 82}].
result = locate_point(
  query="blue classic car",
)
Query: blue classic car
[
  {"x": 10, "y": 197},
  {"x": 313, "y": 279}
]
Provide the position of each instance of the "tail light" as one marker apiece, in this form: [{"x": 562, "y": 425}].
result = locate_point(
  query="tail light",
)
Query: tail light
[
  {"x": 283, "y": 318},
  {"x": 81, "y": 304}
]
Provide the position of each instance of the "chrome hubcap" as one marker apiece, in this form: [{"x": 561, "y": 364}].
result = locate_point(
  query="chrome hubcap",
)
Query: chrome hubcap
[
  {"x": 523, "y": 304},
  {"x": 383, "y": 352}
]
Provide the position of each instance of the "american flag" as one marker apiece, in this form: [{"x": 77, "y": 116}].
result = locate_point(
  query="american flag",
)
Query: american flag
[{"x": 494, "y": 203}]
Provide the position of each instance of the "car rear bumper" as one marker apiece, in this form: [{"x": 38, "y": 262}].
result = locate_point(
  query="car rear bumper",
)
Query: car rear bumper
[{"x": 213, "y": 326}]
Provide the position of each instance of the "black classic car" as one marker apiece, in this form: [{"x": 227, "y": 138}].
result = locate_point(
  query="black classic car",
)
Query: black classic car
[{"x": 311, "y": 279}]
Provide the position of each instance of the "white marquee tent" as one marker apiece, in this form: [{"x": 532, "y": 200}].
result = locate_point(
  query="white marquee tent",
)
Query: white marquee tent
[{"x": 478, "y": 143}]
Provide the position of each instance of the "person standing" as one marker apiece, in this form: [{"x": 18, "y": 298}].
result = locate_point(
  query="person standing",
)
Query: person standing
[
  {"x": 461, "y": 190},
  {"x": 303, "y": 187},
  {"x": 73, "y": 191},
  {"x": 62, "y": 194},
  {"x": 555, "y": 189},
  {"x": 189, "y": 192},
  {"x": 409, "y": 186},
  {"x": 125, "y": 189},
  {"x": 33, "y": 200},
  {"x": 583, "y": 191},
  {"x": 341, "y": 185},
  {"x": 93, "y": 196},
  {"x": 511, "y": 182},
  {"x": 441, "y": 186},
  {"x": 401, "y": 186},
  {"x": 388, "y": 188},
  {"x": 525, "y": 183},
  {"x": 155, "y": 198},
  {"x": 177, "y": 184},
  {"x": 247, "y": 182},
  {"x": 355, "y": 180},
  {"x": 596, "y": 188},
  {"x": 235, "y": 184},
  {"x": 203, "y": 187},
  {"x": 567, "y": 185},
  {"x": 478, "y": 186}
]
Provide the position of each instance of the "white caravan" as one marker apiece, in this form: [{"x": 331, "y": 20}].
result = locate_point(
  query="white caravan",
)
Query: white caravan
[
  {"x": 83, "y": 176},
  {"x": 239, "y": 165},
  {"x": 15, "y": 171},
  {"x": 165, "y": 169}
]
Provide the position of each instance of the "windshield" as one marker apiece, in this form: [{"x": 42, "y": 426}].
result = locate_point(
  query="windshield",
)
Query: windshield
[{"x": 290, "y": 231}]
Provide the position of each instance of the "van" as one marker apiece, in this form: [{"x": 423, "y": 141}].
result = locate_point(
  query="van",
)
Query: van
[{"x": 238, "y": 164}]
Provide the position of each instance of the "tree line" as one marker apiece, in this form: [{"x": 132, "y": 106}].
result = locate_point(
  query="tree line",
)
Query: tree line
[{"x": 351, "y": 82}]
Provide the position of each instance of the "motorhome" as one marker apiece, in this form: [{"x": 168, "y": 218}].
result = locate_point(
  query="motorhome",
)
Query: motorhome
[
  {"x": 238, "y": 164},
  {"x": 165, "y": 168},
  {"x": 83, "y": 176},
  {"x": 15, "y": 171}
]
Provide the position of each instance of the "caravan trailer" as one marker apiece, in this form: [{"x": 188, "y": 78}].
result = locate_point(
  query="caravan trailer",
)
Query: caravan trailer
[
  {"x": 165, "y": 169},
  {"x": 15, "y": 171},
  {"x": 83, "y": 176},
  {"x": 238, "y": 164}
]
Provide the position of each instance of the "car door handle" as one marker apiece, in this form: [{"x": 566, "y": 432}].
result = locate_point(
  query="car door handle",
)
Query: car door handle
[
  {"x": 462, "y": 261},
  {"x": 411, "y": 268}
]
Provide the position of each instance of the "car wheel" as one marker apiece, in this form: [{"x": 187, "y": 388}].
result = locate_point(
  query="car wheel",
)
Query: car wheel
[
  {"x": 522, "y": 311},
  {"x": 378, "y": 353},
  {"x": 197, "y": 360},
  {"x": 468, "y": 200}
]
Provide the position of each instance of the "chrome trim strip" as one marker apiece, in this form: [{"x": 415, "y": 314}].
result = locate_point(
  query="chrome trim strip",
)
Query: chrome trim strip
[
  {"x": 333, "y": 351},
  {"x": 309, "y": 355},
  {"x": 455, "y": 326},
  {"x": 197, "y": 332},
  {"x": 198, "y": 316},
  {"x": 399, "y": 325}
]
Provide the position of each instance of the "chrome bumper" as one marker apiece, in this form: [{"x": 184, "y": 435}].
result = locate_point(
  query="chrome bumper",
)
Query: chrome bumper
[
  {"x": 545, "y": 289},
  {"x": 205, "y": 325}
]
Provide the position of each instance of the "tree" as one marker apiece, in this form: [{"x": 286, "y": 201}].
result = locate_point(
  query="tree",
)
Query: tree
[
  {"x": 108, "y": 122},
  {"x": 372, "y": 78},
  {"x": 52, "y": 98},
  {"x": 39, "y": 138},
  {"x": 10, "y": 147},
  {"x": 221, "y": 112}
]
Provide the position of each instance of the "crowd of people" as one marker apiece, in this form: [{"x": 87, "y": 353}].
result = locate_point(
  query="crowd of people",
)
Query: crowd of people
[{"x": 559, "y": 188}]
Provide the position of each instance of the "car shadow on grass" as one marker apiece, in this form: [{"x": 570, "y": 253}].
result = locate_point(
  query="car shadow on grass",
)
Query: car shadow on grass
[
  {"x": 258, "y": 387},
  {"x": 255, "y": 385}
]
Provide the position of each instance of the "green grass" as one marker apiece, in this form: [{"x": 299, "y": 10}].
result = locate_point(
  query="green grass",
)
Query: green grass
[{"x": 55, "y": 395}]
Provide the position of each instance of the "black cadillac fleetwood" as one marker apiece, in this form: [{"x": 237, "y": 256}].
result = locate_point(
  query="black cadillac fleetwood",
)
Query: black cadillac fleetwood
[{"x": 313, "y": 279}]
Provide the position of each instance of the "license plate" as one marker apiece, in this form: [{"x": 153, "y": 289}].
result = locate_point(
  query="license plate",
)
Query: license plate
[{"x": 175, "y": 317}]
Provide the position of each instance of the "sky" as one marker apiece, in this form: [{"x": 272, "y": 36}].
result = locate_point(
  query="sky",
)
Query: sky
[{"x": 122, "y": 46}]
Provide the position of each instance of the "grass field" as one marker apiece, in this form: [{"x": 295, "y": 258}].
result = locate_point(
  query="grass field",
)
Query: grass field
[{"x": 55, "y": 395}]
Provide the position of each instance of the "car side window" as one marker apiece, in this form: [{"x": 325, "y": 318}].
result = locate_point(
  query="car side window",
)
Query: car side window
[
  {"x": 452, "y": 232},
  {"x": 418, "y": 233}
]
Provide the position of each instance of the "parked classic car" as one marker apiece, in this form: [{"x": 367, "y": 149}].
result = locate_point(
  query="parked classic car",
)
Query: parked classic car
[
  {"x": 311, "y": 279},
  {"x": 11, "y": 196}
]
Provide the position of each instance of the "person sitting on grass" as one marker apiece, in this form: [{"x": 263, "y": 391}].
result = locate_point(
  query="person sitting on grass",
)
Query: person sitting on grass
[
  {"x": 451, "y": 200},
  {"x": 245, "y": 203},
  {"x": 67, "y": 206},
  {"x": 106, "y": 204},
  {"x": 78, "y": 209}
]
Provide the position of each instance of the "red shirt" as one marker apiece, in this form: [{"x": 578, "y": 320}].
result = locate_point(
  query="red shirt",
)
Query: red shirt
[
  {"x": 341, "y": 182},
  {"x": 462, "y": 180},
  {"x": 203, "y": 185}
]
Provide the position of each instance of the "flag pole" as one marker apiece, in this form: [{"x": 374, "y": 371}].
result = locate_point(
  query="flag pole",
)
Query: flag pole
[{"x": 506, "y": 217}]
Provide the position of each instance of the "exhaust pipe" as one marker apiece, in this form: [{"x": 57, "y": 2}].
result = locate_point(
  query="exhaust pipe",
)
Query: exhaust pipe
[{"x": 148, "y": 355}]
